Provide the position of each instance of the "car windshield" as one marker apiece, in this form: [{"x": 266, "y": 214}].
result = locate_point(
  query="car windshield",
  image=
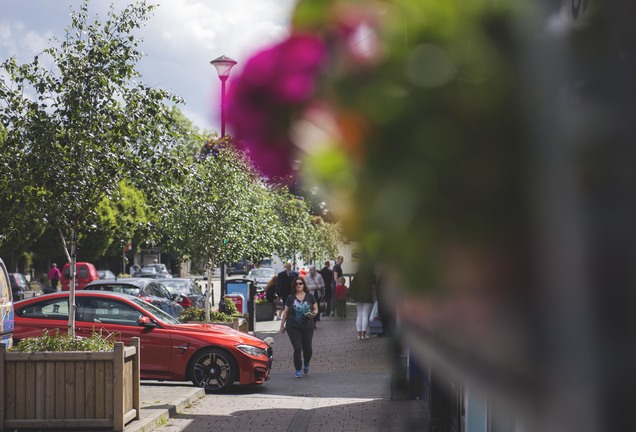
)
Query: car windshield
[
  {"x": 148, "y": 307},
  {"x": 176, "y": 287},
  {"x": 262, "y": 273},
  {"x": 148, "y": 270}
]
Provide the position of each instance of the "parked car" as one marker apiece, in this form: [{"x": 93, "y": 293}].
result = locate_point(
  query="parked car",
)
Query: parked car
[
  {"x": 261, "y": 277},
  {"x": 152, "y": 275},
  {"x": 86, "y": 273},
  {"x": 146, "y": 289},
  {"x": 188, "y": 289},
  {"x": 20, "y": 287},
  {"x": 210, "y": 355},
  {"x": 155, "y": 268},
  {"x": 106, "y": 274}
]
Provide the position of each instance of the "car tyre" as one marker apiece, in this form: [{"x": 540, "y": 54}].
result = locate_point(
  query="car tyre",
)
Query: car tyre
[{"x": 213, "y": 369}]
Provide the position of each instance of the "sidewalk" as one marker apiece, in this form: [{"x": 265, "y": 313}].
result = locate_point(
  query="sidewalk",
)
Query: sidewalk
[{"x": 347, "y": 389}]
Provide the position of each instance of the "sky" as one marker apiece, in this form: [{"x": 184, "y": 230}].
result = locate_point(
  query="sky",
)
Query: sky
[{"x": 178, "y": 41}]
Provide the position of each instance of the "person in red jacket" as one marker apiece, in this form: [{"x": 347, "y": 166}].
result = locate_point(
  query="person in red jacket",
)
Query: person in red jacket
[{"x": 341, "y": 298}]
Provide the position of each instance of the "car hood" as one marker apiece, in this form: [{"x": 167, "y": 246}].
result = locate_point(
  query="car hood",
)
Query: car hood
[{"x": 219, "y": 330}]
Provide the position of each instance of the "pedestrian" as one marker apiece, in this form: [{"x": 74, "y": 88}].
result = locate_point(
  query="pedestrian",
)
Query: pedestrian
[
  {"x": 330, "y": 286},
  {"x": 316, "y": 287},
  {"x": 54, "y": 276},
  {"x": 284, "y": 288},
  {"x": 297, "y": 321},
  {"x": 341, "y": 298},
  {"x": 362, "y": 287},
  {"x": 337, "y": 269},
  {"x": 270, "y": 290}
]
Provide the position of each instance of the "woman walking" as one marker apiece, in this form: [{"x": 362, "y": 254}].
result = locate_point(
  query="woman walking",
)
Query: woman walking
[
  {"x": 298, "y": 320},
  {"x": 362, "y": 287}
]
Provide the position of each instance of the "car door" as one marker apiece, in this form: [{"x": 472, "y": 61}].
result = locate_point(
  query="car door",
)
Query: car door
[{"x": 113, "y": 316}]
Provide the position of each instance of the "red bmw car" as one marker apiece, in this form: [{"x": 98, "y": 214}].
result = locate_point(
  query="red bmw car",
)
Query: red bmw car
[{"x": 210, "y": 355}]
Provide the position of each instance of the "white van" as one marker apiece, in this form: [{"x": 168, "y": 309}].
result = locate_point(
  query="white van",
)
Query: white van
[{"x": 6, "y": 308}]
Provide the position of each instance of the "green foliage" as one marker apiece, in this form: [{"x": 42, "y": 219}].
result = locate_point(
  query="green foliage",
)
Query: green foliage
[
  {"x": 230, "y": 307},
  {"x": 219, "y": 212},
  {"x": 86, "y": 124},
  {"x": 294, "y": 215},
  {"x": 57, "y": 342},
  {"x": 198, "y": 314}
]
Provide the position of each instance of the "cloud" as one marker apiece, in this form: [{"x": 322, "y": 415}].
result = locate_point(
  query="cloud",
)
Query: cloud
[{"x": 178, "y": 41}]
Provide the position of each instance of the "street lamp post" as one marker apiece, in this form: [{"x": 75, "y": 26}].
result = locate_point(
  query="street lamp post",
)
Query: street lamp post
[{"x": 223, "y": 67}]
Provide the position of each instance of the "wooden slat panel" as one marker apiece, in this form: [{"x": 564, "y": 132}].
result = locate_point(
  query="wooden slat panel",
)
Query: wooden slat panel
[
  {"x": 127, "y": 383},
  {"x": 9, "y": 402},
  {"x": 80, "y": 390},
  {"x": 69, "y": 389},
  {"x": 118, "y": 388},
  {"x": 29, "y": 389},
  {"x": 60, "y": 398},
  {"x": 40, "y": 390},
  {"x": 20, "y": 391},
  {"x": 108, "y": 390},
  {"x": 51, "y": 394},
  {"x": 90, "y": 390},
  {"x": 100, "y": 383},
  {"x": 136, "y": 342}
]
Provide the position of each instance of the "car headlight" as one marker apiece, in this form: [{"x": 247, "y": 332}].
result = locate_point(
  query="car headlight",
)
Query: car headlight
[{"x": 252, "y": 350}]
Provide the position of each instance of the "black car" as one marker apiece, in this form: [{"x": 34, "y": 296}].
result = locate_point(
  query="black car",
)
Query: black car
[
  {"x": 20, "y": 287},
  {"x": 188, "y": 289},
  {"x": 144, "y": 288}
]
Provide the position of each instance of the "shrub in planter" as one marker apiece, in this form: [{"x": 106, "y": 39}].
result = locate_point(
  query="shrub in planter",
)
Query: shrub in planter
[
  {"x": 198, "y": 314},
  {"x": 57, "y": 342},
  {"x": 62, "y": 382}
]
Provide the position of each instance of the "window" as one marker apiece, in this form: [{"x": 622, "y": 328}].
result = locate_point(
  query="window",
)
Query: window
[
  {"x": 107, "y": 311},
  {"x": 56, "y": 309}
]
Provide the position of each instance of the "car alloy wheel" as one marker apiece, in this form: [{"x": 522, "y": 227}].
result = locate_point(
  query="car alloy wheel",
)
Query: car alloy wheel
[{"x": 213, "y": 369}]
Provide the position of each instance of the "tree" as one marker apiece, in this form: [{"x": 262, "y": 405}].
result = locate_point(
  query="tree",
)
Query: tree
[
  {"x": 297, "y": 237},
  {"x": 220, "y": 212},
  {"x": 74, "y": 131}
]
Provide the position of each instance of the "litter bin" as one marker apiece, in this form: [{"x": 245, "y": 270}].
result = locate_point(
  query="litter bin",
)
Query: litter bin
[{"x": 246, "y": 288}]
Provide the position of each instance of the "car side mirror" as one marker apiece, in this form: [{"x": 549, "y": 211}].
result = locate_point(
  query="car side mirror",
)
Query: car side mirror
[
  {"x": 176, "y": 297},
  {"x": 145, "y": 321}
]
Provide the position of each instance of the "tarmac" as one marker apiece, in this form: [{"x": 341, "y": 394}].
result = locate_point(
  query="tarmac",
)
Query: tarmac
[{"x": 348, "y": 388}]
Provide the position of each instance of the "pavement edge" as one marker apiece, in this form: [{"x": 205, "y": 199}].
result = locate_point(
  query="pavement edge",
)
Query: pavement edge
[{"x": 159, "y": 416}]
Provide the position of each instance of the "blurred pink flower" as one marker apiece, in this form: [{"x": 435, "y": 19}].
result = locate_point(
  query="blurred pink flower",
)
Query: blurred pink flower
[{"x": 266, "y": 97}]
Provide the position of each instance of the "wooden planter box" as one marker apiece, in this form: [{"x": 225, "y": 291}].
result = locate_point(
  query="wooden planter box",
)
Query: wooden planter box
[
  {"x": 63, "y": 390},
  {"x": 264, "y": 311}
]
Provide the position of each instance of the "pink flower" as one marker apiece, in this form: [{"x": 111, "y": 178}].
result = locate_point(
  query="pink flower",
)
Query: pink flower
[{"x": 271, "y": 91}]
